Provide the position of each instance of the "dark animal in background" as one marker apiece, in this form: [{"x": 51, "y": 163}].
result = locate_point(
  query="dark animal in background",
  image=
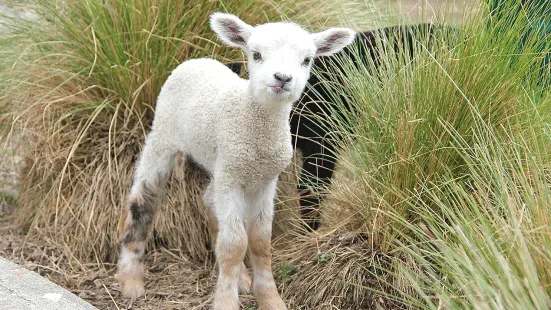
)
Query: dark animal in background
[{"x": 309, "y": 121}]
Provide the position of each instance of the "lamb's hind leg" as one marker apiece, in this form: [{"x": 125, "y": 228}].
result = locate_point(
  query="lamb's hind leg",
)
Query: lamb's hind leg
[
  {"x": 153, "y": 169},
  {"x": 259, "y": 231}
]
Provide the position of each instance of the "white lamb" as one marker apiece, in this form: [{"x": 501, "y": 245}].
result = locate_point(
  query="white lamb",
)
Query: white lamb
[{"x": 237, "y": 130}]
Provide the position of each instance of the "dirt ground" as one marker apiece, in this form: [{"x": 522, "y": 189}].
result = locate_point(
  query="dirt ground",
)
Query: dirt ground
[{"x": 172, "y": 281}]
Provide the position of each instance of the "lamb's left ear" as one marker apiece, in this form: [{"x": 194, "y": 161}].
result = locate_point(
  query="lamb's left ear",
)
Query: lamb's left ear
[
  {"x": 332, "y": 40},
  {"x": 230, "y": 29}
]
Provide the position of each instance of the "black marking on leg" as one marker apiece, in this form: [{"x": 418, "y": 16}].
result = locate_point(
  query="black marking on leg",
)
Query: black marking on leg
[{"x": 142, "y": 212}]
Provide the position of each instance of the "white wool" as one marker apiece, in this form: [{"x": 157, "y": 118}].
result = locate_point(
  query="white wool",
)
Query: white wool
[{"x": 206, "y": 111}]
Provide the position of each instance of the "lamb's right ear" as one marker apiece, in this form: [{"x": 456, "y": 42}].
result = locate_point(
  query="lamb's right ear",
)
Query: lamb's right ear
[{"x": 230, "y": 29}]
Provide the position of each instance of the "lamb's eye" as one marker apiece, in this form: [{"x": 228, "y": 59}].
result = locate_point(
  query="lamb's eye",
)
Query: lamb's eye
[
  {"x": 306, "y": 61},
  {"x": 257, "y": 56}
]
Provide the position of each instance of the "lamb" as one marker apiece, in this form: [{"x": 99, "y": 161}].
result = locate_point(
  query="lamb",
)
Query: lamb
[{"x": 238, "y": 131}]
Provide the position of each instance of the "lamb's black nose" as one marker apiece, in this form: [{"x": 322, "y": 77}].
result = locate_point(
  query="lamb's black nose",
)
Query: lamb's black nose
[{"x": 283, "y": 77}]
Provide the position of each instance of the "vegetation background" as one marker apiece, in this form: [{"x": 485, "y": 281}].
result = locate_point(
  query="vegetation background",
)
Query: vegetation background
[{"x": 443, "y": 191}]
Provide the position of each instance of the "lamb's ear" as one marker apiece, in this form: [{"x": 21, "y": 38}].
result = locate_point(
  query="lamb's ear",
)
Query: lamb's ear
[
  {"x": 332, "y": 40},
  {"x": 230, "y": 29}
]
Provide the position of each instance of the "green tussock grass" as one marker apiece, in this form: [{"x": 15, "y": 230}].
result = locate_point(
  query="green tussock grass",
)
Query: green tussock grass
[
  {"x": 485, "y": 239},
  {"x": 391, "y": 121},
  {"x": 444, "y": 164}
]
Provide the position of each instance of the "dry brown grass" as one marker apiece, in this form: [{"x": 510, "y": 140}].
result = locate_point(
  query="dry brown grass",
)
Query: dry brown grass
[
  {"x": 313, "y": 272},
  {"x": 326, "y": 270},
  {"x": 341, "y": 266}
]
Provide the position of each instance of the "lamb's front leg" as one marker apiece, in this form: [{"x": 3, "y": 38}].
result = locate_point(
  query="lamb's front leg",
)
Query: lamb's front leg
[
  {"x": 208, "y": 198},
  {"x": 259, "y": 231},
  {"x": 231, "y": 246}
]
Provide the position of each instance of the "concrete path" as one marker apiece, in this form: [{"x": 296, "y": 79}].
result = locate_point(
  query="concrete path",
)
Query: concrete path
[{"x": 22, "y": 289}]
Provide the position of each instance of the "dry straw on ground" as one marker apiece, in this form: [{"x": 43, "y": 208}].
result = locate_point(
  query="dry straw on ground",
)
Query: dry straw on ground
[{"x": 326, "y": 270}]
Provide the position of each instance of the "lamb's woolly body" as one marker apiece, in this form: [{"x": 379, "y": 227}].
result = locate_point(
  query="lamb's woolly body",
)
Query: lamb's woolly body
[{"x": 206, "y": 111}]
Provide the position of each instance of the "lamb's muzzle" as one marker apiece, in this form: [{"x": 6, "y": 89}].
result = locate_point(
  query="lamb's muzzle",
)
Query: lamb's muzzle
[{"x": 237, "y": 130}]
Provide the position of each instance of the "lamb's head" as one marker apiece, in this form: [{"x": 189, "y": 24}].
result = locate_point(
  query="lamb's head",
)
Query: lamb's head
[{"x": 279, "y": 55}]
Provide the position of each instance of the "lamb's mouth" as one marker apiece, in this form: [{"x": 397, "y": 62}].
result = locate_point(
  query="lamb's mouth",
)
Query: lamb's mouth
[{"x": 279, "y": 90}]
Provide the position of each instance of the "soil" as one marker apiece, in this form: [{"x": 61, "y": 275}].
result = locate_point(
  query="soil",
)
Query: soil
[{"x": 172, "y": 282}]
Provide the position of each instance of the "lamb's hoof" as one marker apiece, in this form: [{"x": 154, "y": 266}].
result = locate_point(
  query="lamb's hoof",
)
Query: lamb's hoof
[
  {"x": 132, "y": 289},
  {"x": 224, "y": 302},
  {"x": 244, "y": 282},
  {"x": 271, "y": 303}
]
